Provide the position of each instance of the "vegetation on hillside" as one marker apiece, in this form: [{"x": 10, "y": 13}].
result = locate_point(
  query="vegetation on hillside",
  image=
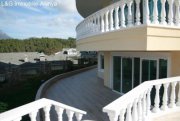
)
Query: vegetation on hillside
[{"x": 46, "y": 45}]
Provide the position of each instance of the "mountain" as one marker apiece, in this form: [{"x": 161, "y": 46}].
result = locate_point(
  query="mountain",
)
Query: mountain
[{"x": 4, "y": 35}]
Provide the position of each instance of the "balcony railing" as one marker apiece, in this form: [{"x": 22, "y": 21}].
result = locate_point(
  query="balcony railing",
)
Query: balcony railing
[
  {"x": 130, "y": 13},
  {"x": 139, "y": 105},
  {"x": 32, "y": 109}
]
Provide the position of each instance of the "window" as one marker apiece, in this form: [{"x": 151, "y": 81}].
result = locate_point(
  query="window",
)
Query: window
[
  {"x": 102, "y": 62},
  {"x": 129, "y": 72}
]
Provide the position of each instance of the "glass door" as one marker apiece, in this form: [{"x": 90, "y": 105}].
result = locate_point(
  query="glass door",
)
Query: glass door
[
  {"x": 126, "y": 74},
  {"x": 117, "y": 73},
  {"x": 149, "y": 69}
]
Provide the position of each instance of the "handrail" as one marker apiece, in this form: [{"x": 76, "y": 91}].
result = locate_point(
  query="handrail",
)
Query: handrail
[
  {"x": 128, "y": 13},
  {"x": 141, "y": 93},
  {"x": 33, "y": 108}
]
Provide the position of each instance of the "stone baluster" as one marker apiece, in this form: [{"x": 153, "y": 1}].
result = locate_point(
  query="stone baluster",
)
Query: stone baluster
[
  {"x": 33, "y": 115},
  {"x": 173, "y": 95},
  {"x": 129, "y": 13},
  {"x": 122, "y": 15},
  {"x": 128, "y": 114},
  {"x": 178, "y": 98},
  {"x": 107, "y": 20},
  {"x": 155, "y": 12},
  {"x": 137, "y": 12},
  {"x": 78, "y": 116},
  {"x": 156, "y": 100},
  {"x": 70, "y": 115},
  {"x": 121, "y": 117},
  {"x": 112, "y": 116},
  {"x": 148, "y": 104},
  {"x": 144, "y": 106},
  {"x": 98, "y": 23},
  {"x": 134, "y": 111},
  {"x": 177, "y": 16},
  {"x": 102, "y": 23},
  {"x": 111, "y": 20},
  {"x": 146, "y": 12},
  {"x": 163, "y": 12},
  {"x": 117, "y": 17},
  {"x": 17, "y": 119},
  {"x": 170, "y": 14},
  {"x": 140, "y": 108},
  {"x": 59, "y": 112},
  {"x": 46, "y": 111},
  {"x": 165, "y": 97}
]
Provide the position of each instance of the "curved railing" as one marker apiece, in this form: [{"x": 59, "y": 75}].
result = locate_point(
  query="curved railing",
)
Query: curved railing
[
  {"x": 130, "y": 13},
  {"x": 32, "y": 110},
  {"x": 138, "y": 104}
]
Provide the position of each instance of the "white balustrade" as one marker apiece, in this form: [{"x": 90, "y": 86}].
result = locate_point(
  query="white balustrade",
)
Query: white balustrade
[
  {"x": 32, "y": 109},
  {"x": 136, "y": 104},
  {"x": 113, "y": 17},
  {"x": 178, "y": 99},
  {"x": 156, "y": 100},
  {"x": 173, "y": 95}
]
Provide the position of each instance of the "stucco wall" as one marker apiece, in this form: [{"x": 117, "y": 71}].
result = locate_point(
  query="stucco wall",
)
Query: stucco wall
[
  {"x": 107, "y": 69},
  {"x": 175, "y": 63}
]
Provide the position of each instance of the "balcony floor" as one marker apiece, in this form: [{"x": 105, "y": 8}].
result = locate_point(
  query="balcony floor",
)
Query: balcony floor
[{"x": 84, "y": 91}]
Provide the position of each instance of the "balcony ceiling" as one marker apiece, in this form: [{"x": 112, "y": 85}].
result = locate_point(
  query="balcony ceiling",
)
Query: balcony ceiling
[{"x": 87, "y": 7}]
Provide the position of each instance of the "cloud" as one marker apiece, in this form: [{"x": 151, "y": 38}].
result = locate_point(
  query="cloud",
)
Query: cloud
[{"x": 46, "y": 21}]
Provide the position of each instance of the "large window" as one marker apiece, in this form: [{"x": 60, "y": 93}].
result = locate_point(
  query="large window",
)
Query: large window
[
  {"x": 102, "y": 62},
  {"x": 129, "y": 72},
  {"x": 117, "y": 73}
]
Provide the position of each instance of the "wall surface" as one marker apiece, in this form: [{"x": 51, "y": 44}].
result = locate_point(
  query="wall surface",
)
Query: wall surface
[
  {"x": 141, "y": 38},
  {"x": 175, "y": 63}
]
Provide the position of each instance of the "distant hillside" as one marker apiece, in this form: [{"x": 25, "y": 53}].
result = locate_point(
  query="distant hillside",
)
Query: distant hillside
[
  {"x": 46, "y": 45},
  {"x": 4, "y": 35}
]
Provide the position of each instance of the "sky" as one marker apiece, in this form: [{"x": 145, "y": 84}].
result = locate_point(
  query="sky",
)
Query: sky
[{"x": 34, "y": 19}]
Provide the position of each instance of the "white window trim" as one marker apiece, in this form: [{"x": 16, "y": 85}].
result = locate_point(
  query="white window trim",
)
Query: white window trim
[{"x": 99, "y": 61}]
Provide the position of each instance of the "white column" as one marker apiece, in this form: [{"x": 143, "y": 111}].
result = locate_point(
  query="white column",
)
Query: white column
[
  {"x": 155, "y": 12},
  {"x": 17, "y": 119},
  {"x": 129, "y": 115},
  {"x": 122, "y": 15},
  {"x": 140, "y": 109},
  {"x": 78, "y": 116},
  {"x": 129, "y": 13},
  {"x": 156, "y": 100},
  {"x": 46, "y": 111},
  {"x": 59, "y": 112},
  {"x": 102, "y": 23},
  {"x": 163, "y": 12},
  {"x": 33, "y": 115},
  {"x": 165, "y": 97},
  {"x": 146, "y": 12},
  {"x": 70, "y": 115},
  {"x": 121, "y": 115},
  {"x": 111, "y": 20},
  {"x": 173, "y": 95},
  {"x": 148, "y": 101},
  {"x": 117, "y": 18},
  {"x": 170, "y": 14},
  {"x": 137, "y": 12},
  {"x": 112, "y": 116},
  {"x": 177, "y": 16},
  {"x": 107, "y": 20},
  {"x": 134, "y": 111},
  {"x": 98, "y": 23},
  {"x": 144, "y": 106},
  {"x": 178, "y": 98}
]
